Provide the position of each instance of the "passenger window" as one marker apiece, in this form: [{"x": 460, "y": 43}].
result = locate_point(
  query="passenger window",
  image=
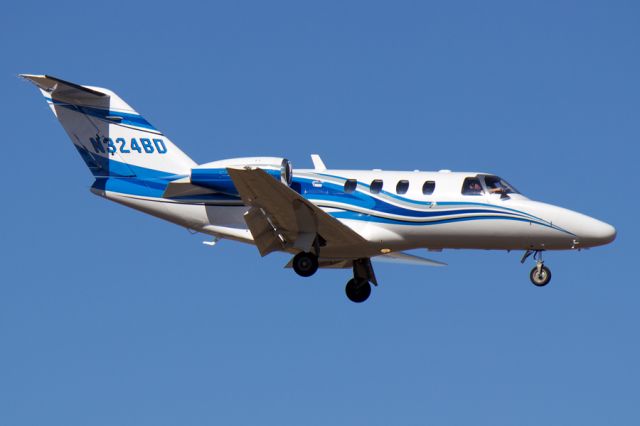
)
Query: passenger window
[
  {"x": 376, "y": 186},
  {"x": 471, "y": 186},
  {"x": 402, "y": 187},
  {"x": 428, "y": 187},
  {"x": 350, "y": 185}
]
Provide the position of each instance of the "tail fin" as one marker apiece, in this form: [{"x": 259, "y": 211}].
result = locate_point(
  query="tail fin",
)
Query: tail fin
[{"x": 112, "y": 138}]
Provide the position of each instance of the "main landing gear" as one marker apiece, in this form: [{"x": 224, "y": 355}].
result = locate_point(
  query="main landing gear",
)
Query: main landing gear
[
  {"x": 540, "y": 275},
  {"x": 305, "y": 263},
  {"x": 358, "y": 288}
]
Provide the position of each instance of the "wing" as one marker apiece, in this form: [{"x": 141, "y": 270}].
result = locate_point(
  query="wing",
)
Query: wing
[
  {"x": 281, "y": 219},
  {"x": 406, "y": 258}
]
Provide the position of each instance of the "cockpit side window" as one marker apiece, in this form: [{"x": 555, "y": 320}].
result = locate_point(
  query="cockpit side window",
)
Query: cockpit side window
[
  {"x": 496, "y": 185},
  {"x": 472, "y": 186}
]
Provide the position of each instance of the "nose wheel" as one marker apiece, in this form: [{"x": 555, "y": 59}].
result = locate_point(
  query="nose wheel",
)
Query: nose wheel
[{"x": 540, "y": 275}]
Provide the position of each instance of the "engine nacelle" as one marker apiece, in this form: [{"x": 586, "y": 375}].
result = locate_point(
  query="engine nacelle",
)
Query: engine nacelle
[{"x": 214, "y": 175}]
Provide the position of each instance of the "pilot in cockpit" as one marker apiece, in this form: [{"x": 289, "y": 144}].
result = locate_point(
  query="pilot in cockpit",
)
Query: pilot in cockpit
[
  {"x": 494, "y": 187},
  {"x": 474, "y": 187}
]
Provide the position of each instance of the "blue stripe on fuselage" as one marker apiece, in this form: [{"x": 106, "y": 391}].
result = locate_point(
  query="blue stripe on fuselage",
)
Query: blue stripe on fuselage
[
  {"x": 330, "y": 192},
  {"x": 364, "y": 217},
  {"x": 152, "y": 183},
  {"x": 377, "y": 219}
]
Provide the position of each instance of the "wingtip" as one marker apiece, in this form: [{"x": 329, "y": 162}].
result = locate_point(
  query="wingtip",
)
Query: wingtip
[
  {"x": 30, "y": 76},
  {"x": 33, "y": 78}
]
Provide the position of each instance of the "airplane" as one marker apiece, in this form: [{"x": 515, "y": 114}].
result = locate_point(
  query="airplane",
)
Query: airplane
[{"x": 324, "y": 218}]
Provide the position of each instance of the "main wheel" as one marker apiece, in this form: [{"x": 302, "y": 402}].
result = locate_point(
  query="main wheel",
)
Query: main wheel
[
  {"x": 540, "y": 279},
  {"x": 358, "y": 290},
  {"x": 305, "y": 264}
]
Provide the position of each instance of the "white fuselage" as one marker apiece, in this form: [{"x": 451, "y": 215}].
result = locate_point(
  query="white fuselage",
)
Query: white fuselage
[
  {"x": 392, "y": 221},
  {"x": 325, "y": 218}
]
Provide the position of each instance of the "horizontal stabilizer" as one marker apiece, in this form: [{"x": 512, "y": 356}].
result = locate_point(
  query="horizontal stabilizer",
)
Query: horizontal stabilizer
[
  {"x": 184, "y": 188},
  {"x": 407, "y": 259},
  {"x": 63, "y": 89}
]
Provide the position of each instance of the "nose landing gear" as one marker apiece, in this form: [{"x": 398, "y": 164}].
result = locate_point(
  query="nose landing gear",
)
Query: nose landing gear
[{"x": 540, "y": 275}]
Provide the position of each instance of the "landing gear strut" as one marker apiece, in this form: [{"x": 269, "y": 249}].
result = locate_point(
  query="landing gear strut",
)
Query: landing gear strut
[
  {"x": 305, "y": 264},
  {"x": 540, "y": 275}
]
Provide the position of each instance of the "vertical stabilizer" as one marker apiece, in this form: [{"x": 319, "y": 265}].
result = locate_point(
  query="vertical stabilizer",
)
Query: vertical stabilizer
[{"x": 112, "y": 138}]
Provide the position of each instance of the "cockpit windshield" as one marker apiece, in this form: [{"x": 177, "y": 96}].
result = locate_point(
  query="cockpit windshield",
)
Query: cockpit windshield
[{"x": 497, "y": 185}]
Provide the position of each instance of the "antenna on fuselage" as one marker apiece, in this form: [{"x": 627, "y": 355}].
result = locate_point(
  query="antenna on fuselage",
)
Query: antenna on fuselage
[{"x": 318, "y": 164}]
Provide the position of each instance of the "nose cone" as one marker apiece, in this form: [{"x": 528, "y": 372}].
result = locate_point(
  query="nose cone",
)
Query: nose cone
[
  {"x": 594, "y": 232},
  {"x": 569, "y": 229}
]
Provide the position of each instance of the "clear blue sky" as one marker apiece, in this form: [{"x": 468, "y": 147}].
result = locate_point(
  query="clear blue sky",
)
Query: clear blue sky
[{"x": 110, "y": 317}]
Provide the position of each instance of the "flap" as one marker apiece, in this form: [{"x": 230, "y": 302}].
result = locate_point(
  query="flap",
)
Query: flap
[{"x": 293, "y": 214}]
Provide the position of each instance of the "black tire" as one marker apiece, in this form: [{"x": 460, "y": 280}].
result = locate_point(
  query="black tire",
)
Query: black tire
[
  {"x": 358, "y": 290},
  {"x": 305, "y": 264},
  {"x": 541, "y": 279}
]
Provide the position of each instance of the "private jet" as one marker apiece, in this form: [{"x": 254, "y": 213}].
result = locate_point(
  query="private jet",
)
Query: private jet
[{"x": 324, "y": 218}]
